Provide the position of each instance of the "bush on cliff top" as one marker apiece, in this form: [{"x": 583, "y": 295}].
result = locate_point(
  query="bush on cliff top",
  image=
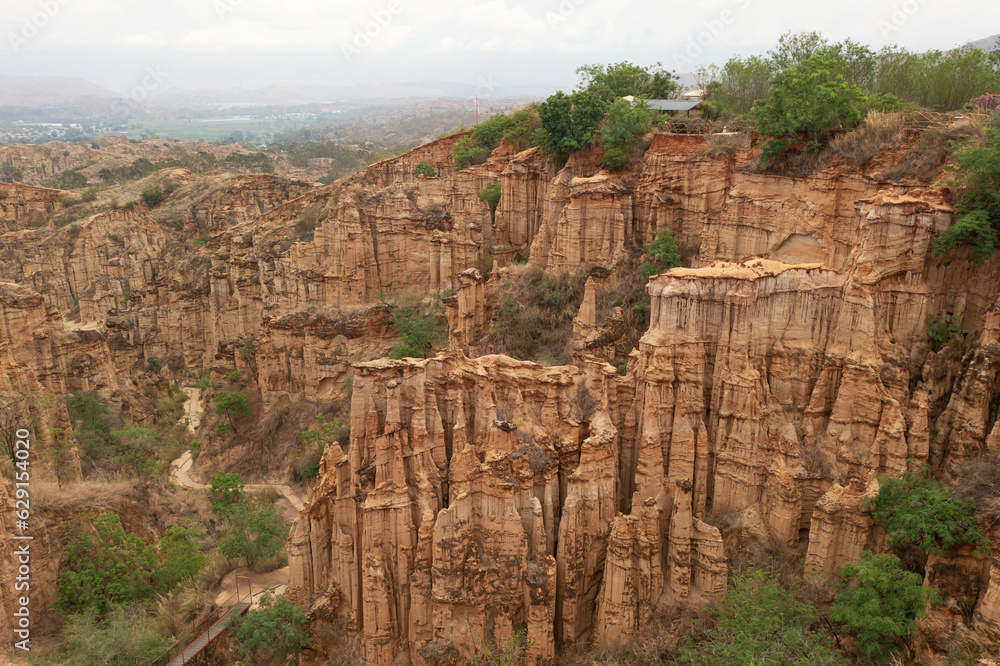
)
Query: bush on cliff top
[
  {"x": 977, "y": 173},
  {"x": 808, "y": 99}
]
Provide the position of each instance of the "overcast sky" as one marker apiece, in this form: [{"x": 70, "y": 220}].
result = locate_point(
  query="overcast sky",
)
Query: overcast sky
[{"x": 214, "y": 43}]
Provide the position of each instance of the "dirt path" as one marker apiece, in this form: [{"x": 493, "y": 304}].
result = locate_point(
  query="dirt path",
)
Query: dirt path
[
  {"x": 290, "y": 505},
  {"x": 192, "y": 408}
]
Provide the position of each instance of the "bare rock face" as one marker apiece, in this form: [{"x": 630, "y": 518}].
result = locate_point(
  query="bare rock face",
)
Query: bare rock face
[
  {"x": 781, "y": 387},
  {"x": 21, "y": 205},
  {"x": 37, "y": 352}
]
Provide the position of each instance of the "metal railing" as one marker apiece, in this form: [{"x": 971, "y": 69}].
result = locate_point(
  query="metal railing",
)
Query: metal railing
[{"x": 204, "y": 626}]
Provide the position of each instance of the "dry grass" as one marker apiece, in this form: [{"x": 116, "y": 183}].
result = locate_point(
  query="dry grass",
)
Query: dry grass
[
  {"x": 653, "y": 645},
  {"x": 216, "y": 568},
  {"x": 879, "y": 132},
  {"x": 533, "y": 315},
  {"x": 923, "y": 160},
  {"x": 726, "y": 144},
  {"x": 49, "y": 496},
  {"x": 270, "y": 564},
  {"x": 970, "y": 128},
  {"x": 980, "y": 482}
]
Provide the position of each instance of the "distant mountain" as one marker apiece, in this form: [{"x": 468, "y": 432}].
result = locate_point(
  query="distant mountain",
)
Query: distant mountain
[
  {"x": 178, "y": 98},
  {"x": 44, "y": 90},
  {"x": 987, "y": 43}
]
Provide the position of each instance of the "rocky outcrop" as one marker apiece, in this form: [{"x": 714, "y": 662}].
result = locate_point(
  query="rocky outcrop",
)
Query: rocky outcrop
[
  {"x": 37, "y": 352},
  {"x": 21, "y": 205}
]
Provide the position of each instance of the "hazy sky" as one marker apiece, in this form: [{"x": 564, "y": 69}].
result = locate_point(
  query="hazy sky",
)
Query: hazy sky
[{"x": 198, "y": 43}]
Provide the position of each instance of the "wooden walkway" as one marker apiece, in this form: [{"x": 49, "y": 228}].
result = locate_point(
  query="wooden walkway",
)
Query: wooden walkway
[{"x": 213, "y": 632}]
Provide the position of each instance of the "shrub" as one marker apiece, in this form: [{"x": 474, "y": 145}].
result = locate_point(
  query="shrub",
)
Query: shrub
[
  {"x": 624, "y": 124},
  {"x": 914, "y": 509},
  {"x": 759, "y": 622},
  {"x": 89, "y": 196},
  {"x": 125, "y": 635},
  {"x": 424, "y": 169},
  {"x": 569, "y": 122},
  {"x": 809, "y": 98},
  {"x": 255, "y": 531},
  {"x": 533, "y": 317},
  {"x": 115, "y": 567},
  {"x": 466, "y": 151},
  {"x": 232, "y": 405},
  {"x": 419, "y": 329},
  {"x": 153, "y": 196},
  {"x": 508, "y": 653},
  {"x": 663, "y": 254},
  {"x": 986, "y": 102},
  {"x": 943, "y": 332},
  {"x": 305, "y": 227},
  {"x": 977, "y": 173},
  {"x": 491, "y": 132},
  {"x": 490, "y": 195},
  {"x": 879, "y": 602},
  {"x": 275, "y": 631},
  {"x": 226, "y": 490}
]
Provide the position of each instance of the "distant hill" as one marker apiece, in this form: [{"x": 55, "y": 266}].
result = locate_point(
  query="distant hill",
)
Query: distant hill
[
  {"x": 987, "y": 43},
  {"x": 43, "y": 90},
  {"x": 178, "y": 98}
]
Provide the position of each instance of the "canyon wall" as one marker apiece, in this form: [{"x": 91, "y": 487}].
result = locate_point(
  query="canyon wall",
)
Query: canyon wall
[
  {"x": 784, "y": 369},
  {"x": 780, "y": 376}
]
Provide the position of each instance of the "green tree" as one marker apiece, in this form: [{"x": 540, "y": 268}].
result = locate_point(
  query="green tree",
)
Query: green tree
[
  {"x": 624, "y": 124},
  {"x": 759, "y": 622},
  {"x": 275, "y": 631},
  {"x": 879, "y": 602},
  {"x": 915, "y": 509},
  {"x": 623, "y": 79},
  {"x": 255, "y": 532},
  {"x": 124, "y": 636},
  {"x": 466, "y": 152},
  {"x": 491, "y": 132},
  {"x": 739, "y": 83},
  {"x": 810, "y": 98},
  {"x": 663, "y": 254},
  {"x": 977, "y": 175},
  {"x": 88, "y": 413},
  {"x": 232, "y": 405},
  {"x": 153, "y": 196},
  {"x": 319, "y": 435},
  {"x": 226, "y": 490},
  {"x": 490, "y": 195},
  {"x": 135, "y": 448},
  {"x": 114, "y": 567},
  {"x": 419, "y": 329},
  {"x": 424, "y": 169},
  {"x": 569, "y": 122}
]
